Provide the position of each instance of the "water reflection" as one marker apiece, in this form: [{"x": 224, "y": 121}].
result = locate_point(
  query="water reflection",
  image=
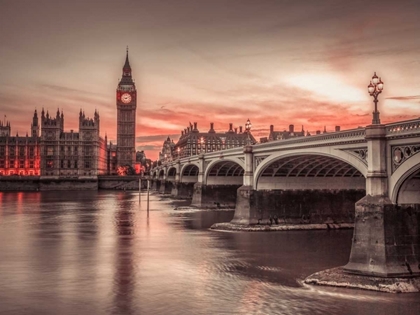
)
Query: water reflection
[
  {"x": 124, "y": 273},
  {"x": 100, "y": 253}
]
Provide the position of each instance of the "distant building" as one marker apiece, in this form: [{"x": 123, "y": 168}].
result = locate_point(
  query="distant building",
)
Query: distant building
[
  {"x": 19, "y": 155},
  {"x": 126, "y": 118},
  {"x": 55, "y": 153},
  {"x": 286, "y": 134},
  {"x": 193, "y": 142},
  {"x": 168, "y": 149},
  {"x": 52, "y": 152}
]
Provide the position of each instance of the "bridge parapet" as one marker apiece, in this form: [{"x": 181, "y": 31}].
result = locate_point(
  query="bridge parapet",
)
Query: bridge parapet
[
  {"x": 409, "y": 127},
  {"x": 353, "y": 135}
]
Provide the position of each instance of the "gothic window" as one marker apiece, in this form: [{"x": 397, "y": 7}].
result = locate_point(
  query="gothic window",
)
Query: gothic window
[
  {"x": 87, "y": 164},
  {"x": 21, "y": 151},
  {"x": 1, "y": 163},
  {"x": 75, "y": 149},
  {"x": 50, "y": 150},
  {"x": 11, "y": 151},
  {"x": 21, "y": 163},
  {"x": 62, "y": 163},
  {"x": 2, "y": 150},
  {"x": 12, "y": 164},
  {"x": 31, "y": 164},
  {"x": 50, "y": 164},
  {"x": 68, "y": 164},
  {"x": 75, "y": 164},
  {"x": 31, "y": 151}
]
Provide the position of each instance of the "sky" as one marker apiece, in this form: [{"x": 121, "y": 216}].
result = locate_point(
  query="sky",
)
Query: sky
[{"x": 275, "y": 62}]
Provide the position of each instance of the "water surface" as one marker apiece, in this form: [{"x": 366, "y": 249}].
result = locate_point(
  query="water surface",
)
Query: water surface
[{"x": 101, "y": 253}]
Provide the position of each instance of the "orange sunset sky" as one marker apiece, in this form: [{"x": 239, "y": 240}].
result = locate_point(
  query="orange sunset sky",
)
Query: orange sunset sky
[{"x": 273, "y": 61}]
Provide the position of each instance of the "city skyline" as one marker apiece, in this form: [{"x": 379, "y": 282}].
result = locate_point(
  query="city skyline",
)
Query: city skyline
[{"x": 274, "y": 62}]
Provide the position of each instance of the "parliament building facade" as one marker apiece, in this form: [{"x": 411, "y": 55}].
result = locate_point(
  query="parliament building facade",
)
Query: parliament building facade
[{"x": 51, "y": 152}]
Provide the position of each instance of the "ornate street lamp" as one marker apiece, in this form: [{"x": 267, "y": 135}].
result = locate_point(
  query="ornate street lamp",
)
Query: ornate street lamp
[
  {"x": 375, "y": 88},
  {"x": 248, "y": 126}
]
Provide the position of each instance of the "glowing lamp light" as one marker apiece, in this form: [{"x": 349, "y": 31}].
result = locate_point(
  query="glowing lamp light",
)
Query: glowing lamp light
[
  {"x": 248, "y": 125},
  {"x": 375, "y": 79},
  {"x": 380, "y": 85},
  {"x": 371, "y": 88}
]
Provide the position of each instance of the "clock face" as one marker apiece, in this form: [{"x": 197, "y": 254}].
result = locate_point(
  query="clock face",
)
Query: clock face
[{"x": 126, "y": 98}]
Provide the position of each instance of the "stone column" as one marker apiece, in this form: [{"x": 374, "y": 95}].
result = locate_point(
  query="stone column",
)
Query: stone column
[
  {"x": 198, "y": 186},
  {"x": 163, "y": 183},
  {"x": 246, "y": 212},
  {"x": 175, "y": 187},
  {"x": 385, "y": 238}
]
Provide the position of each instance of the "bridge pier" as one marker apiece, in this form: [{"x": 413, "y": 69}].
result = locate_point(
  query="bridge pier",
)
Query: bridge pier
[
  {"x": 153, "y": 185},
  {"x": 214, "y": 196},
  {"x": 295, "y": 206},
  {"x": 246, "y": 212},
  {"x": 165, "y": 187},
  {"x": 386, "y": 239},
  {"x": 182, "y": 190}
]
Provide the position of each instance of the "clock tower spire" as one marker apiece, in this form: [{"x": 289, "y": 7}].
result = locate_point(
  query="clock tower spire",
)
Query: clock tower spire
[{"x": 126, "y": 117}]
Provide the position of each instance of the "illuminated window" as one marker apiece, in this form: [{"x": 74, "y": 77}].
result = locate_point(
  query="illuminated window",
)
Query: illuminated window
[
  {"x": 50, "y": 150},
  {"x": 21, "y": 151},
  {"x": 2, "y": 150},
  {"x": 31, "y": 164},
  {"x": 87, "y": 164},
  {"x": 50, "y": 164},
  {"x": 21, "y": 164},
  {"x": 12, "y": 163},
  {"x": 2, "y": 163},
  {"x": 31, "y": 151}
]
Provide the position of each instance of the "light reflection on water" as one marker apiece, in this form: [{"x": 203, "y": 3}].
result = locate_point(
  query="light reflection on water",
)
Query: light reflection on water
[{"x": 100, "y": 253}]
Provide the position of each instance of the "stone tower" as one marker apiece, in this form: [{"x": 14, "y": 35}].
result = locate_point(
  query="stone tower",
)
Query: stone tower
[
  {"x": 35, "y": 125},
  {"x": 126, "y": 117}
]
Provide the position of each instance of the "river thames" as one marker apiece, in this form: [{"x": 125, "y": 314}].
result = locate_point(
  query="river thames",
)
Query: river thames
[{"x": 99, "y": 252}]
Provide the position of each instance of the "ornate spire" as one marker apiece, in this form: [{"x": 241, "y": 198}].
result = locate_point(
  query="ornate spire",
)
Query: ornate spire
[
  {"x": 127, "y": 63},
  {"x": 126, "y": 78}
]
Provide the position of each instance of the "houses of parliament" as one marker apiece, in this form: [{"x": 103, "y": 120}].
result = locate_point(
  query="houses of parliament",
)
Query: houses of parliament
[{"x": 51, "y": 152}]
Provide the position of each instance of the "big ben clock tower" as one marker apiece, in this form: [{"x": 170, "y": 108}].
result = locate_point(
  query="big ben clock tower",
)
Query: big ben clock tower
[{"x": 126, "y": 117}]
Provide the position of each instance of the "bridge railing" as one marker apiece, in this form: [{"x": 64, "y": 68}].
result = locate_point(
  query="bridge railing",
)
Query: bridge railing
[
  {"x": 403, "y": 127},
  {"x": 325, "y": 137}
]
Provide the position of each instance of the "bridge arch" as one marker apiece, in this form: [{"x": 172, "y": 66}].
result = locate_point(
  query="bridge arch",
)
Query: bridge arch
[
  {"x": 404, "y": 184},
  {"x": 161, "y": 174},
  {"x": 225, "y": 171},
  {"x": 311, "y": 163},
  {"x": 171, "y": 173},
  {"x": 189, "y": 173}
]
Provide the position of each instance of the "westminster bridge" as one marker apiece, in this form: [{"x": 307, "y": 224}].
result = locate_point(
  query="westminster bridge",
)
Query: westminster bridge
[{"x": 367, "y": 176}]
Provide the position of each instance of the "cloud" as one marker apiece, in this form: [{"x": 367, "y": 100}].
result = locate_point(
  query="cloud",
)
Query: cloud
[{"x": 404, "y": 98}]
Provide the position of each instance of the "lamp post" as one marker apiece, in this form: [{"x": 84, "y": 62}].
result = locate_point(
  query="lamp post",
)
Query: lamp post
[
  {"x": 375, "y": 88},
  {"x": 248, "y": 126}
]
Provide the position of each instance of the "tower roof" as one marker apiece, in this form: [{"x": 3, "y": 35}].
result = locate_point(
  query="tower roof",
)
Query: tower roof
[
  {"x": 127, "y": 62},
  {"x": 126, "y": 78}
]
